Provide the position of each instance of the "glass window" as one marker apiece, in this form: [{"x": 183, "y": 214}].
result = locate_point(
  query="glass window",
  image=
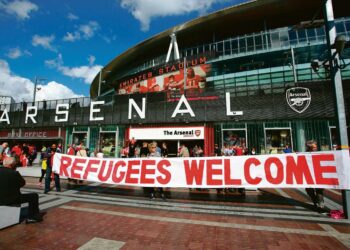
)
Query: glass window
[
  {"x": 302, "y": 36},
  {"x": 227, "y": 47},
  {"x": 234, "y": 138},
  {"x": 107, "y": 144},
  {"x": 340, "y": 27},
  {"x": 234, "y": 44},
  {"x": 250, "y": 43},
  {"x": 292, "y": 37},
  {"x": 275, "y": 39},
  {"x": 258, "y": 42},
  {"x": 311, "y": 35},
  {"x": 277, "y": 139},
  {"x": 79, "y": 138},
  {"x": 320, "y": 33},
  {"x": 347, "y": 25},
  {"x": 242, "y": 45},
  {"x": 220, "y": 47}
]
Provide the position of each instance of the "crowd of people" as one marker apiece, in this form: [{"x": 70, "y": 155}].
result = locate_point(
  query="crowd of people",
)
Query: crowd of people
[{"x": 24, "y": 154}]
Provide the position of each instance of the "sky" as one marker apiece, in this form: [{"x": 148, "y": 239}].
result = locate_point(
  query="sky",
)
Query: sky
[{"x": 63, "y": 44}]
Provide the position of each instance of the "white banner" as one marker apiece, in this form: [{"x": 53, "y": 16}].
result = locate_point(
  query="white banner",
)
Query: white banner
[
  {"x": 318, "y": 170},
  {"x": 167, "y": 133}
]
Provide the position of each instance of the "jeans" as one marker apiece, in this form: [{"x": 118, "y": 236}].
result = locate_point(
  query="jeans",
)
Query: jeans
[
  {"x": 48, "y": 180},
  {"x": 32, "y": 199}
]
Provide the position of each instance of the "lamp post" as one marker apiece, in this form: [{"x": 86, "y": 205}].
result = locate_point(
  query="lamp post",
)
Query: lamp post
[
  {"x": 100, "y": 81},
  {"x": 335, "y": 75},
  {"x": 37, "y": 79}
]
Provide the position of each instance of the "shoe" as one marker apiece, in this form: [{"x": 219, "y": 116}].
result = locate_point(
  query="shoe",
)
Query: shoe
[
  {"x": 152, "y": 196},
  {"x": 321, "y": 204},
  {"x": 33, "y": 220}
]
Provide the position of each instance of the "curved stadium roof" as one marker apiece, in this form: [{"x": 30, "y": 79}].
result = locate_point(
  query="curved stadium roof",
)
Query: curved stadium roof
[{"x": 237, "y": 20}]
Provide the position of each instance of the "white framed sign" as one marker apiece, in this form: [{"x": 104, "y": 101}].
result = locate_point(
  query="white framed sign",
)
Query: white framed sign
[{"x": 167, "y": 133}]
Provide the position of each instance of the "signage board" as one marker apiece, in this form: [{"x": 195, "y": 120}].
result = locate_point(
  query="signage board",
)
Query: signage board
[{"x": 167, "y": 133}]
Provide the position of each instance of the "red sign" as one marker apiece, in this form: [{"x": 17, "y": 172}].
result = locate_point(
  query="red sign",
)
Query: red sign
[{"x": 31, "y": 133}]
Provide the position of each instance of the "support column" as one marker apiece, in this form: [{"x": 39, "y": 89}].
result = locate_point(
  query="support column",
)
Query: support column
[{"x": 300, "y": 137}]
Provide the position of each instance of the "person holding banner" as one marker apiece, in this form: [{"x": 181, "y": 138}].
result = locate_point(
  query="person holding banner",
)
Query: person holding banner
[
  {"x": 50, "y": 154},
  {"x": 154, "y": 153},
  {"x": 316, "y": 194}
]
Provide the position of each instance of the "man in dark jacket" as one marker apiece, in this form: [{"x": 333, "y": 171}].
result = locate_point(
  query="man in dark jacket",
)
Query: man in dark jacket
[{"x": 10, "y": 183}]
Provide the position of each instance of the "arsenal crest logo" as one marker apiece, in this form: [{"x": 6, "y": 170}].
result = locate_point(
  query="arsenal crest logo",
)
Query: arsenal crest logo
[
  {"x": 197, "y": 132},
  {"x": 298, "y": 98}
]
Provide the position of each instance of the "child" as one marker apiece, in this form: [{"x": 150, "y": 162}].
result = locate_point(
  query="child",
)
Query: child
[{"x": 43, "y": 169}]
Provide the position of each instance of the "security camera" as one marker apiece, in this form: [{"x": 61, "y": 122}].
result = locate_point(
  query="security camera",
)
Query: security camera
[{"x": 315, "y": 65}]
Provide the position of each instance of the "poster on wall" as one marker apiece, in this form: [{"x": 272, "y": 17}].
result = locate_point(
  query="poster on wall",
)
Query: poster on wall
[{"x": 169, "y": 77}]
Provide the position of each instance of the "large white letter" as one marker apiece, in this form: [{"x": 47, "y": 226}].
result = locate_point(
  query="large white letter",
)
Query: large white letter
[
  {"x": 228, "y": 106},
  {"x": 141, "y": 113},
  {"x": 62, "y": 112},
  {"x": 92, "y": 111},
  {"x": 177, "y": 110},
  {"x": 6, "y": 118},
  {"x": 31, "y": 116}
]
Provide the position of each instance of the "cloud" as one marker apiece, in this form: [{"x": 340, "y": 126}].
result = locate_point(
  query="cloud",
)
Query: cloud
[
  {"x": 91, "y": 59},
  {"x": 71, "y": 37},
  {"x": 21, "y": 88},
  {"x": 15, "y": 53},
  {"x": 20, "y": 8},
  {"x": 88, "y": 30},
  {"x": 53, "y": 91},
  {"x": 144, "y": 11},
  {"x": 44, "y": 41},
  {"x": 87, "y": 73},
  {"x": 71, "y": 16},
  {"x": 84, "y": 31}
]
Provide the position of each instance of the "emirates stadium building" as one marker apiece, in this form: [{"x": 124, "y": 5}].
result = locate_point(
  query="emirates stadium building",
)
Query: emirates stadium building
[{"x": 255, "y": 75}]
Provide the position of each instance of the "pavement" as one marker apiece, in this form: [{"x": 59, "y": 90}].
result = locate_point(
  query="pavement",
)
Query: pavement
[{"x": 101, "y": 216}]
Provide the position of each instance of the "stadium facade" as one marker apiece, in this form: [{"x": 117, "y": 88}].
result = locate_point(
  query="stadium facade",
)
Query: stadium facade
[{"x": 242, "y": 76}]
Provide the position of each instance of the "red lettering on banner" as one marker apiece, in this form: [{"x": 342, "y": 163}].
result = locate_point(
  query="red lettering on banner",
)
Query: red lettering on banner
[
  {"x": 131, "y": 170},
  {"x": 298, "y": 170},
  {"x": 161, "y": 169},
  {"x": 115, "y": 178},
  {"x": 77, "y": 167},
  {"x": 102, "y": 177},
  {"x": 147, "y": 171},
  {"x": 194, "y": 172},
  {"x": 211, "y": 172},
  {"x": 279, "y": 177},
  {"x": 248, "y": 177},
  {"x": 65, "y": 163},
  {"x": 320, "y": 170},
  {"x": 227, "y": 173},
  {"x": 90, "y": 168}
]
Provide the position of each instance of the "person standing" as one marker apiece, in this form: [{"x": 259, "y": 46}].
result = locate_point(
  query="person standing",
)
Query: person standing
[
  {"x": 217, "y": 151},
  {"x": 43, "y": 168},
  {"x": 184, "y": 151},
  {"x": 316, "y": 194},
  {"x": 11, "y": 182},
  {"x": 165, "y": 151},
  {"x": 4, "y": 152},
  {"x": 144, "y": 150},
  {"x": 50, "y": 155},
  {"x": 154, "y": 153}
]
